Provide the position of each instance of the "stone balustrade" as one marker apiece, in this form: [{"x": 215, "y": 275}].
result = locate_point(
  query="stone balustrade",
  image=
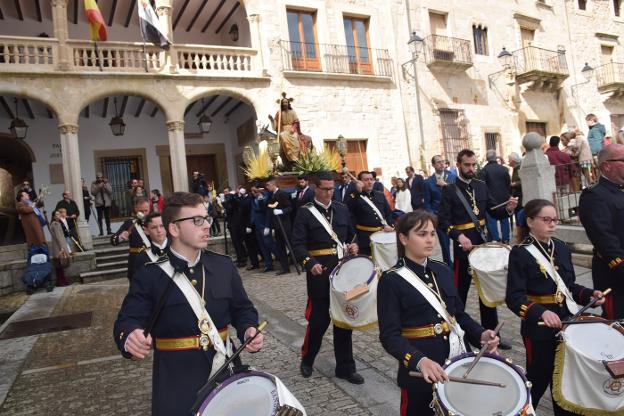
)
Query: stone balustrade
[
  {"x": 208, "y": 60},
  {"x": 27, "y": 53}
]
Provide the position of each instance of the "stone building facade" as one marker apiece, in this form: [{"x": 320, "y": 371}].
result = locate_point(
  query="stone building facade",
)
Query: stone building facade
[{"x": 346, "y": 63}]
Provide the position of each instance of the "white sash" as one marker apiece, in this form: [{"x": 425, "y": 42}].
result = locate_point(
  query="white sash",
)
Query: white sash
[
  {"x": 573, "y": 307},
  {"x": 374, "y": 207},
  {"x": 139, "y": 229},
  {"x": 340, "y": 248},
  {"x": 193, "y": 298},
  {"x": 456, "y": 336}
]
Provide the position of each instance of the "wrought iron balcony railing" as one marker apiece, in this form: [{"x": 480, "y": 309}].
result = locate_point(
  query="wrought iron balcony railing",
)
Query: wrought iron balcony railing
[
  {"x": 336, "y": 59},
  {"x": 447, "y": 50},
  {"x": 533, "y": 59},
  {"x": 609, "y": 74}
]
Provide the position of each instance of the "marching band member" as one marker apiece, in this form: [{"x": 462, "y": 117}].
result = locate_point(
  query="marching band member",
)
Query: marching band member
[
  {"x": 191, "y": 334},
  {"x": 370, "y": 211},
  {"x": 157, "y": 235},
  {"x": 131, "y": 231},
  {"x": 322, "y": 235},
  {"x": 541, "y": 285},
  {"x": 421, "y": 316}
]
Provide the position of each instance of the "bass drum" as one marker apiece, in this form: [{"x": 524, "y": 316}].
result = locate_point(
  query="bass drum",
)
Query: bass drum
[
  {"x": 251, "y": 393},
  {"x": 384, "y": 249}
]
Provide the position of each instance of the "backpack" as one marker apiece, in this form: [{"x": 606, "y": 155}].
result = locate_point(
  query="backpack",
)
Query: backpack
[{"x": 39, "y": 267}]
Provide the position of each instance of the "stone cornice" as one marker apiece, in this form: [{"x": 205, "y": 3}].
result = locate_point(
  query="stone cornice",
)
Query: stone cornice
[
  {"x": 68, "y": 128},
  {"x": 175, "y": 125}
]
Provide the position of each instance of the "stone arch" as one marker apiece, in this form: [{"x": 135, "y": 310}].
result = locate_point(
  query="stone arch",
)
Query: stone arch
[
  {"x": 110, "y": 92},
  {"x": 229, "y": 92},
  {"x": 50, "y": 101}
]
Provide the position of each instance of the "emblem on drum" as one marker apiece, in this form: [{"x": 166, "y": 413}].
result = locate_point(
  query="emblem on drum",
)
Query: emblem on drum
[
  {"x": 351, "y": 310},
  {"x": 613, "y": 387}
]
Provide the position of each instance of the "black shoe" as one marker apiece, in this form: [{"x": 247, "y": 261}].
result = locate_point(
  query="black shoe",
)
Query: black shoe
[
  {"x": 504, "y": 346},
  {"x": 241, "y": 264},
  {"x": 252, "y": 267},
  {"x": 101, "y": 234},
  {"x": 50, "y": 288},
  {"x": 306, "y": 370},
  {"x": 281, "y": 272},
  {"x": 268, "y": 269},
  {"x": 353, "y": 378},
  {"x": 30, "y": 290}
]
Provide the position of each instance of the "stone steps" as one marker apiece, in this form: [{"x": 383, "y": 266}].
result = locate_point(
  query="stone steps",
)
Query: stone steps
[
  {"x": 110, "y": 261},
  {"x": 100, "y": 275}
]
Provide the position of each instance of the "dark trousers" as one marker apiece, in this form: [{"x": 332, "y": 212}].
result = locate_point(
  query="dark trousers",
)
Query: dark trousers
[
  {"x": 489, "y": 317},
  {"x": 280, "y": 249},
  {"x": 317, "y": 314},
  {"x": 416, "y": 403},
  {"x": 237, "y": 234},
  {"x": 266, "y": 244},
  {"x": 540, "y": 363},
  {"x": 106, "y": 212},
  {"x": 252, "y": 247}
]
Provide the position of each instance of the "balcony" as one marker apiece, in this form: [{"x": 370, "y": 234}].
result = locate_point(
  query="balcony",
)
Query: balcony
[
  {"x": 28, "y": 55},
  {"x": 322, "y": 58},
  {"x": 447, "y": 54},
  {"x": 542, "y": 68},
  {"x": 610, "y": 78}
]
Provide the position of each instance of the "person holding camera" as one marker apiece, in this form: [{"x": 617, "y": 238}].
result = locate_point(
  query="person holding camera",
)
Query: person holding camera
[{"x": 102, "y": 191}]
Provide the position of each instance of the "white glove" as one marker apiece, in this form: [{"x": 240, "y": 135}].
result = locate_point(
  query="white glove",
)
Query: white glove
[
  {"x": 248, "y": 230},
  {"x": 277, "y": 212},
  {"x": 266, "y": 231},
  {"x": 260, "y": 197}
]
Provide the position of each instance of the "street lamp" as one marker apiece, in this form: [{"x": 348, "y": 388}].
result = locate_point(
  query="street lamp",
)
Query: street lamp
[
  {"x": 204, "y": 124},
  {"x": 18, "y": 126},
  {"x": 416, "y": 44},
  {"x": 587, "y": 71},
  {"x": 504, "y": 57},
  {"x": 341, "y": 147},
  {"x": 117, "y": 124}
]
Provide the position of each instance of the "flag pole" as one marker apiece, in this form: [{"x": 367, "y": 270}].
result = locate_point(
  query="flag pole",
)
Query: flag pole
[
  {"x": 145, "y": 56},
  {"x": 97, "y": 56}
]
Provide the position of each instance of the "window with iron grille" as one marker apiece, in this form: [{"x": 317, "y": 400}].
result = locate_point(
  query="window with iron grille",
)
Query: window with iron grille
[
  {"x": 582, "y": 4},
  {"x": 617, "y": 4},
  {"x": 479, "y": 35},
  {"x": 120, "y": 170},
  {"x": 493, "y": 142},
  {"x": 455, "y": 137}
]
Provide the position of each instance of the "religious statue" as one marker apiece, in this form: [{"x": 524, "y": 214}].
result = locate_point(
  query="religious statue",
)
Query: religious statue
[{"x": 286, "y": 123}]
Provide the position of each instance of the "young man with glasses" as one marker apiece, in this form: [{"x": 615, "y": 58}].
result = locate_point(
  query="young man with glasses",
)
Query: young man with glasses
[
  {"x": 190, "y": 334},
  {"x": 601, "y": 210},
  {"x": 319, "y": 253}
]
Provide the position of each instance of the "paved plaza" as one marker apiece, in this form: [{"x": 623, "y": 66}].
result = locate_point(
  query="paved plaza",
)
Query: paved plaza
[{"x": 80, "y": 372}]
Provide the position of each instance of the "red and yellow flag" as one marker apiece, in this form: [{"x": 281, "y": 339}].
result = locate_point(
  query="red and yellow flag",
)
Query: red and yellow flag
[{"x": 97, "y": 27}]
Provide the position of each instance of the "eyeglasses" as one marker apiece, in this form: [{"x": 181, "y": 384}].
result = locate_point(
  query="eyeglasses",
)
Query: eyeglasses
[
  {"x": 198, "y": 220},
  {"x": 326, "y": 189},
  {"x": 548, "y": 220}
]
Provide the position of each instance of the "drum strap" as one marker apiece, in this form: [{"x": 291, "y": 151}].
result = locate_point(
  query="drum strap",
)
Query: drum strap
[
  {"x": 340, "y": 248},
  {"x": 456, "y": 337},
  {"x": 376, "y": 210},
  {"x": 146, "y": 241},
  {"x": 470, "y": 213},
  {"x": 573, "y": 307},
  {"x": 195, "y": 301}
]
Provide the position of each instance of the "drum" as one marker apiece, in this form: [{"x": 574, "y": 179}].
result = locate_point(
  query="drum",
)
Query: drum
[
  {"x": 476, "y": 400},
  {"x": 489, "y": 271},
  {"x": 384, "y": 249},
  {"x": 251, "y": 393},
  {"x": 353, "y": 293},
  {"x": 581, "y": 383}
]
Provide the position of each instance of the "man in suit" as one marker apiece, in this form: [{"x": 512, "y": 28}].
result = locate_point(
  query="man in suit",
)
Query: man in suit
[
  {"x": 344, "y": 189},
  {"x": 251, "y": 244},
  {"x": 498, "y": 181},
  {"x": 435, "y": 184},
  {"x": 190, "y": 331},
  {"x": 377, "y": 185},
  {"x": 303, "y": 195},
  {"x": 260, "y": 218},
  {"x": 281, "y": 209},
  {"x": 416, "y": 185}
]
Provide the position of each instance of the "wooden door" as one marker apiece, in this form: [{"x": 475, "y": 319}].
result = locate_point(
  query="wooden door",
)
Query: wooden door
[
  {"x": 536, "y": 127},
  {"x": 531, "y": 55},
  {"x": 356, "y": 34},
  {"x": 437, "y": 22},
  {"x": 355, "y": 158},
  {"x": 205, "y": 165}
]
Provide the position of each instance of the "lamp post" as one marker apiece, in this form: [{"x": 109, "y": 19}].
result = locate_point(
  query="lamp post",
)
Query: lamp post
[
  {"x": 341, "y": 147},
  {"x": 416, "y": 44},
  {"x": 504, "y": 57},
  {"x": 18, "y": 126}
]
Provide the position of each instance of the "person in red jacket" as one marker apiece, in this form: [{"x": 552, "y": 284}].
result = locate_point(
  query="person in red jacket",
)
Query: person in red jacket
[
  {"x": 564, "y": 167},
  {"x": 157, "y": 202}
]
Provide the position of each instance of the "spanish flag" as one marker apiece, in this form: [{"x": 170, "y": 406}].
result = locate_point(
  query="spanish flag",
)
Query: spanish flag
[{"x": 97, "y": 27}]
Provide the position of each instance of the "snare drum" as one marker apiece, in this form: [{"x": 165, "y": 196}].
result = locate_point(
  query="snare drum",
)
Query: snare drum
[
  {"x": 353, "y": 293},
  {"x": 489, "y": 271},
  {"x": 581, "y": 383},
  {"x": 251, "y": 393},
  {"x": 475, "y": 400},
  {"x": 384, "y": 249}
]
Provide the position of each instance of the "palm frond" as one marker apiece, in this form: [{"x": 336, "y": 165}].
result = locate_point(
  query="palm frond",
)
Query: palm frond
[{"x": 259, "y": 166}]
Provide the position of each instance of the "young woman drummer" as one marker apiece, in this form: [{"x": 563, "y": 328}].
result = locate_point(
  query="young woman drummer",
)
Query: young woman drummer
[
  {"x": 410, "y": 328},
  {"x": 534, "y": 296}
]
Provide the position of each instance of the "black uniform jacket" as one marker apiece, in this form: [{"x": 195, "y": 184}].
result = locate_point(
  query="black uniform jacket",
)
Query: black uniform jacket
[
  {"x": 400, "y": 305},
  {"x": 309, "y": 234},
  {"x": 452, "y": 212},
  {"x": 178, "y": 375},
  {"x": 363, "y": 214},
  {"x": 524, "y": 278},
  {"x": 601, "y": 209},
  {"x": 284, "y": 203},
  {"x": 135, "y": 243},
  {"x": 143, "y": 259}
]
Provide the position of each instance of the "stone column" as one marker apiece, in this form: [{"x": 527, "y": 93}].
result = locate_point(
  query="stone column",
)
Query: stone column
[
  {"x": 164, "y": 10},
  {"x": 257, "y": 44},
  {"x": 59, "y": 19},
  {"x": 177, "y": 153},
  {"x": 537, "y": 175},
  {"x": 72, "y": 177}
]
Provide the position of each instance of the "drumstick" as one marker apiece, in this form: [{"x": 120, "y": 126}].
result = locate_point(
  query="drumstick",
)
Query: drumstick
[
  {"x": 418, "y": 374},
  {"x": 586, "y": 321},
  {"x": 590, "y": 304},
  {"x": 481, "y": 351}
]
